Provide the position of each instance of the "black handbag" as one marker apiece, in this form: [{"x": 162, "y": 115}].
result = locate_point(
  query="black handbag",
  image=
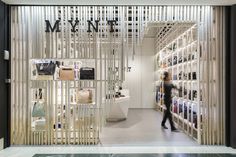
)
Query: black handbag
[
  {"x": 184, "y": 76},
  {"x": 194, "y": 75},
  {"x": 189, "y": 57},
  {"x": 194, "y": 94},
  {"x": 180, "y": 91},
  {"x": 180, "y": 59},
  {"x": 46, "y": 68},
  {"x": 86, "y": 73},
  {"x": 189, "y": 76},
  {"x": 175, "y": 60},
  {"x": 190, "y": 95},
  {"x": 185, "y": 59}
]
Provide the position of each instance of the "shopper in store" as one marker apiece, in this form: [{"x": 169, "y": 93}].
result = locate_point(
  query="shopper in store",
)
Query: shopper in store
[{"x": 168, "y": 86}]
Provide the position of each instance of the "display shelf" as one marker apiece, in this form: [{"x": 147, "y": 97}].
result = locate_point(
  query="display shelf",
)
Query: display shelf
[
  {"x": 180, "y": 58},
  {"x": 190, "y": 124}
]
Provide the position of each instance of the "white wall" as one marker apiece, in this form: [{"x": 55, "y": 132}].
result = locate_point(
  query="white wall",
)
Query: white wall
[{"x": 140, "y": 81}]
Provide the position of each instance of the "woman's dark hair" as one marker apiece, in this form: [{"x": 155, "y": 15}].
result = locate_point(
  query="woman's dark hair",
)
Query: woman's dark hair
[{"x": 165, "y": 75}]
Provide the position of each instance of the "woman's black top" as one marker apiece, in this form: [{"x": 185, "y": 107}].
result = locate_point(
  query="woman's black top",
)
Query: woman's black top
[{"x": 167, "y": 89}]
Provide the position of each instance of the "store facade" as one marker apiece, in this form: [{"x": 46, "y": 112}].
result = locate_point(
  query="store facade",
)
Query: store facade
[{"x": 68, "y": 61}]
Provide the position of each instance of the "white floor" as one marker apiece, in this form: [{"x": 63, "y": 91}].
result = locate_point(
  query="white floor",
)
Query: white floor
[
  {"x": 143, "y": 128},
  {"x": 140, "y": 133},
  {"x": 30, "y": 151}
]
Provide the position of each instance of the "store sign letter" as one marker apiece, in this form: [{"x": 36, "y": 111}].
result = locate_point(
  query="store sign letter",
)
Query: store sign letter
[
  {"x": 111, "y": 22},
  {"x": 73, "y": 24},
  {"x": 49, "y": 27},
  {"x": 95, "y": 28}
]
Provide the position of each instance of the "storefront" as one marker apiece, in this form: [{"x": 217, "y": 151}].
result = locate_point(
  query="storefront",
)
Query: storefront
[{"x": 75, "y": 69}]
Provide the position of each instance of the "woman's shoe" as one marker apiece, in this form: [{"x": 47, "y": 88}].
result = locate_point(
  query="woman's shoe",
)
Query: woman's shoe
[
  {"x": 164, "y": 126},
  {"x": 174, "y": 130}
]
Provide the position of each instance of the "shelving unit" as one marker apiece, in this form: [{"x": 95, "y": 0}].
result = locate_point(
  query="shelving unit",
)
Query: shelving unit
[{"x": 179, "y": 55}]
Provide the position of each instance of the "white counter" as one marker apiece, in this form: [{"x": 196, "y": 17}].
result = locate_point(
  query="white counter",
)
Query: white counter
[{"x": 119, "y": 109}]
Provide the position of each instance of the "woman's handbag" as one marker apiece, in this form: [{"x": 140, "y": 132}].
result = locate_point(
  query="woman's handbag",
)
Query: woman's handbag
[
  {"x": 66, "y": 73},
  {"x": 86, "y": 73},
  {"x": 40, "y": 124},
  {"x": 84, "y": 96},
  {"x": 46, "y": 68},
  {"x": 38, "y": 110}
]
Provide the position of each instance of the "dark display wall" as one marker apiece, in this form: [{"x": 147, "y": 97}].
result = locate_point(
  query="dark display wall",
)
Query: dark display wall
[{"x": 4, "y": 71}]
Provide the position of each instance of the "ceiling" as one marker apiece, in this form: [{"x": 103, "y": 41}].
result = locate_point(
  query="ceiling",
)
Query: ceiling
[
  {"x": 166, "y": 32},
  {"x": 120, "y": 2}
]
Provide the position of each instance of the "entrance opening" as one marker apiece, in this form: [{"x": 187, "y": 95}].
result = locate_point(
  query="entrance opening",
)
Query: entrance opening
[{"x": 166, "y": 47}]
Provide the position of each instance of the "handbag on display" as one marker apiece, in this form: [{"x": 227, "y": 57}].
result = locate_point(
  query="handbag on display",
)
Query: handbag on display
[
  {"x": 46, "y": 68},
  {"x": 66, "y": 73},
  {"x": 175, "y": 60},
  {"x": 40, "y": 124},
  {"x": 180, "y": 59},
  {"x": 84, "y": 96},
  {"x": 190, "y": 95},
  {"x": 185, "y": 111},
  {"x": 194, "y": 75},
  {"x": 185, "y": 92},
  {"x": 87, "y": 73},
  {"x": 189, "y": 76},
  {"x": 38, "y": 110},
  {"x": 180, "y": 91},
  {"x": 185, "y": 59},
  {"x": 175, "y": 106},
  {"x": 194, "y": 94},
  {"x": 190, "y": 57}
]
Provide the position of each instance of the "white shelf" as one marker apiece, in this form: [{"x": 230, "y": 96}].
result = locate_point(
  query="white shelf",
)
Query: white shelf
[{"x": 186, "y": 47}]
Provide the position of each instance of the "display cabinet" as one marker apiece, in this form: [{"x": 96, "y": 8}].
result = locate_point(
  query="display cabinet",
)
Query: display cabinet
[{"x": 180, "y": 57}]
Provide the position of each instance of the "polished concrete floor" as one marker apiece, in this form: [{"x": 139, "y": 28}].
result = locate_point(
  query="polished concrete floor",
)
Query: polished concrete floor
[
  {"x": 73, "y": 151},
  {"x": 135, "y": 155},
  {"x": 143, "y": 128},
  {"x": 139, "y": 136}
]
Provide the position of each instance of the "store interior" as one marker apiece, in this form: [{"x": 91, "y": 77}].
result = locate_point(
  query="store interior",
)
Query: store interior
[{"x": 162, "y": 43}]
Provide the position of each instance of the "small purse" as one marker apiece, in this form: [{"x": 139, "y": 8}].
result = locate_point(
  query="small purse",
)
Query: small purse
[
  {"x": 194, "y": 75},
  {"x": 66, "y": 73},
  {"x": 175, "y": 60},
  {"x": 40, "y": 124},
  {"x": 87, "y": 73},
  {"x": 84, "y": 96},
  {"x": 38, "y": 110}
]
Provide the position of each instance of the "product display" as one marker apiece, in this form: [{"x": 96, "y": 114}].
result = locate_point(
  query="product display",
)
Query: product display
[
  {"x": 87, "y": 73},
  {"x": 182, "y": 65},
  {"x": 67, "y": 73},
  {"x": 40, "y": 124},
  {"x": 84, "y": 96},
  {"x": 46, "y": 68},
  {"x": 38, "y": 110}
]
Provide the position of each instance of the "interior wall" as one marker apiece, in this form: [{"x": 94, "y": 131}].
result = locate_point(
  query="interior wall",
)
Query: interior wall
[{"x": 140, "y": 80}]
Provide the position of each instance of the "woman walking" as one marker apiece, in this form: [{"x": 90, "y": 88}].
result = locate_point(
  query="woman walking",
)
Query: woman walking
[{"x": 168, "y": 86}]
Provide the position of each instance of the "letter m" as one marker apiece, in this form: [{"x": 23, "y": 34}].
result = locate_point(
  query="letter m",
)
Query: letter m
[{"x": 55, "y": 27}]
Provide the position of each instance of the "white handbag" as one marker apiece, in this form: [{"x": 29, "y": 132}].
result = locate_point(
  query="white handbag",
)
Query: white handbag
[
  {"x": 84, "y": 96},
  {"x": 40, "y": 124}
]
